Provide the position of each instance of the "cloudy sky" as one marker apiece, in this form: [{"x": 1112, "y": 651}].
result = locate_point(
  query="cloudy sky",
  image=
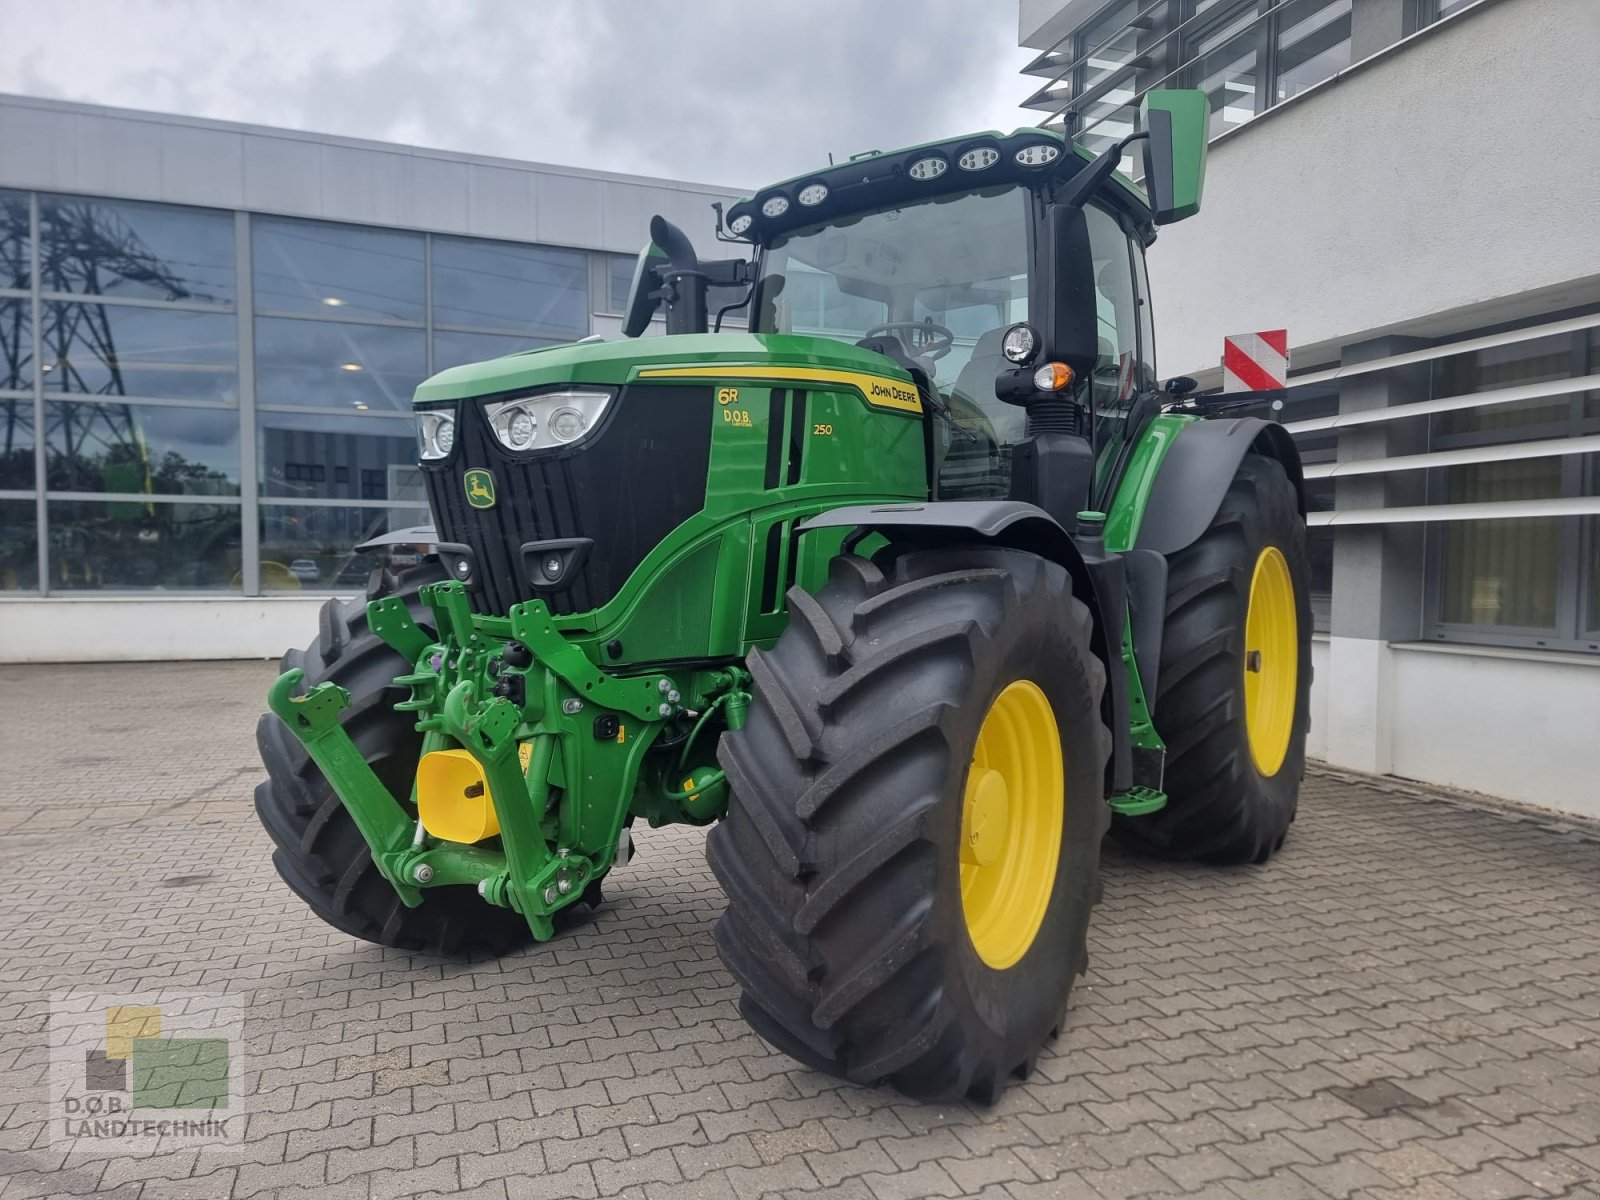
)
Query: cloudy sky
[{"x": 717, "y": 91}]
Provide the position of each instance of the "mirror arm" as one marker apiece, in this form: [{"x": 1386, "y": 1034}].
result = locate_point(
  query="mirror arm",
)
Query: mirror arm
[{"x": 1086, "y": 182}]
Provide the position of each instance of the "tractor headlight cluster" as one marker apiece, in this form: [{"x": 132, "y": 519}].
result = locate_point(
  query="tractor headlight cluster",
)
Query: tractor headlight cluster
[
  {"x": 436, "y": 433},
  {"x": 546, "y": 420}
]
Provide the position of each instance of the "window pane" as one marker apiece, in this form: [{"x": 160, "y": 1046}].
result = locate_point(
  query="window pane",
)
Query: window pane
[
  {"x": 498, "y": 285},
  {"x": 142, "y": 448},
  {"x": 1534, "y": 361},
  {"x": 337, "y": 365},
  {"x": 16, "y": 443},
  {"x": 312, "y": 548},
  {"x": 1120, "y": 44},
  {"x": 346, "y": 270},
  {"x": 111, "y": 350},
  {"x": 150, "y": 251},
  {"x": 332, "y": 456},
  {"x": 1591, "y": 572},
  {"x": 453, "y": 349},
  {"x": 143, "y": 545},
  {"x": 1108, "y": 118},
  {"x": 619, "y": 275},
  {"x": 16, "y": 345},
  {"x": 14, "y": 240},
  {"x": 19, "y": 546},
  {"x": 1223, "y": 65},
  {"x": 1591, "y": 400},
  {"x": 1501, "y": 572},
  {"x": 1114, "y": 381},
  {"x": 1313, "y": 43}
]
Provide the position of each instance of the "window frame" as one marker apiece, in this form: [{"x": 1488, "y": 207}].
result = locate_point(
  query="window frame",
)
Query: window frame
[{"x": 1577, "y": 538}]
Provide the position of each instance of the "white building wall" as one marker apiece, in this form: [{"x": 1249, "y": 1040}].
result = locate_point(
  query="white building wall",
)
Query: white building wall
[
  {"x": 154, "y": 627},
  {"x": 1450, "y": 180}
]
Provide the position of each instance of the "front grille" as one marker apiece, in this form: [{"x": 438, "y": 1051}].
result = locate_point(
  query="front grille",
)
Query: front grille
[{"x": 626, "y": 487}]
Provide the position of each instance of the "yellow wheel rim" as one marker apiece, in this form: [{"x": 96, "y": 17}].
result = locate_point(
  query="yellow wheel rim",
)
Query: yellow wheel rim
[
  {"x": 1011, "y": 819},
  {"x": 1271, "y": 661}
]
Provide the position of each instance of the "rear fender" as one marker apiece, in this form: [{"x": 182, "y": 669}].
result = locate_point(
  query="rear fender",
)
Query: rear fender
[
  {"x": 1100, "y": 583},
  {"x": 1195, "y": 474}
]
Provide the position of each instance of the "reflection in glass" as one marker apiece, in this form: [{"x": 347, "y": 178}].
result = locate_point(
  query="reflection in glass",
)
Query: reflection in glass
[
  {"x": 141, "y": 448},
  {"x": 497, "y": 285},
  {"x": 112, "y": 350},
  {"x": 1313, "y": 43},
  {"x": 14, "y": 240},
  {"x": 1223, "y": 65},
  {"x": 16, "y": 443},
  {"x": 1538, "y": 360},
  {"x": 619, "y": 281},
  {"x": 334, "y": 456},
  {"x": 1110, "y": 42},
  {"x": 19, "y": 546},
  {"x": 124, "y": 248},
  {"x": 337, "y": 365},
  {"x": 452, "y": 349},
  {"x": 16, "y": 345},
  {"x": 143, "y": 544},
  {"x": 306, "y": 547},
  {"x": 337, "y": 270}
]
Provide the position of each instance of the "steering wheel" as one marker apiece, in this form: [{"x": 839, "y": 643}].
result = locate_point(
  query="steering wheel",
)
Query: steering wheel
[{"x": 924, "y": 338}]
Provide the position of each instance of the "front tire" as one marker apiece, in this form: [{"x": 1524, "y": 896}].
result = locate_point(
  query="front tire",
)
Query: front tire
[
  {"x": 945, "y": 700},
  {"x": 320, "y": 852},
  {"x": 1234, "y": 686}
]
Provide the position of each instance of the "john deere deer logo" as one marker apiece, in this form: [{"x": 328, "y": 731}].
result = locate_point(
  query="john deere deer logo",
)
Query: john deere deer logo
[{"x": 480, "y": 488}]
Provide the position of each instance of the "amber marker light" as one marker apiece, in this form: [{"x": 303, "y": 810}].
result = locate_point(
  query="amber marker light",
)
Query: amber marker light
[{"x": 1052, "y": 377}]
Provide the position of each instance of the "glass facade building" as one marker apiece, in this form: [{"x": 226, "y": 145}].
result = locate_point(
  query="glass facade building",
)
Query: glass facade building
[
  {"x": 201, "y": 400},
  {"x": 1246, "y": 55}
]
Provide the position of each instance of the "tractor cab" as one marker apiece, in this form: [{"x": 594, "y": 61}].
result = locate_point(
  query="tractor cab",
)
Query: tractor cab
[{"x": 1004, "y": 273}]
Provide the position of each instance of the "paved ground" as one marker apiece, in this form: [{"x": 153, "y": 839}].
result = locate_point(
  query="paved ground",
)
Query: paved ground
[{"x": 1405, "y": 1004}]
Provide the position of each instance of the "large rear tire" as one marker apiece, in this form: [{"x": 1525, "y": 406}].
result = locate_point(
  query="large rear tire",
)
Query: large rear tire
[
  {"x": 320, "y": 853},
  {"x": 912, "y": 844},
  {"x": 1233, "y": 692}
]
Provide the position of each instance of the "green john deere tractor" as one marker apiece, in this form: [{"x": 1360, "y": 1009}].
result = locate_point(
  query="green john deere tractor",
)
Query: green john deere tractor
[{"x": 911, "y": 590}]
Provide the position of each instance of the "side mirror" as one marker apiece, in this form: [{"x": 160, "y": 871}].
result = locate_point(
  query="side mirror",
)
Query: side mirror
[
  {"x": 642, "y": 304},
  {"x": 1175, "y": 152}
]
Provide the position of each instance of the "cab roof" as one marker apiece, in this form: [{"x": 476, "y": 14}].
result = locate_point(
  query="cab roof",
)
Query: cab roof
[{"x": 876, "y": 179}]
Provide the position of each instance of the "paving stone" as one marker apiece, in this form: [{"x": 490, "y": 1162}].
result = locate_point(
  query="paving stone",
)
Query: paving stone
[{"x": 1405, "y": 1005}]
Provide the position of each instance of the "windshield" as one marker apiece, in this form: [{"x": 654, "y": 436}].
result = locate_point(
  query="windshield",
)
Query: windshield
[{"x": 947, "y": 275}]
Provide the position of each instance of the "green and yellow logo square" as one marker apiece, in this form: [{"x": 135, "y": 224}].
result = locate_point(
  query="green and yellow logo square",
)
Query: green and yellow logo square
[{"x": 479, "y": 485}]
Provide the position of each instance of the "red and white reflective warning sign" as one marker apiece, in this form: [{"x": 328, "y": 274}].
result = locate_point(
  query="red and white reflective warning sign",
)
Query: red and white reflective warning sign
[{"x": 1255, "y": 362}]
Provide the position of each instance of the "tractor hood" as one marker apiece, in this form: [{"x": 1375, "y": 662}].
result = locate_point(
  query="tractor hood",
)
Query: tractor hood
[{"x": 619, "y": 362}]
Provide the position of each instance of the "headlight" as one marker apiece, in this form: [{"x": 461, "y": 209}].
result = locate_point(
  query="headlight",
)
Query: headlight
[
  {"x": 1019, "y": 343},
  {"x": 546, "y": 420},
  {"x": 436, "y": 433}
]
